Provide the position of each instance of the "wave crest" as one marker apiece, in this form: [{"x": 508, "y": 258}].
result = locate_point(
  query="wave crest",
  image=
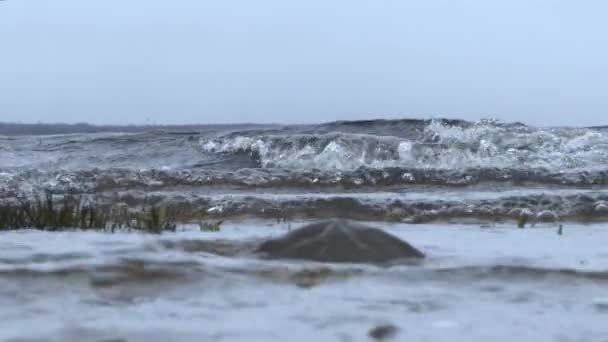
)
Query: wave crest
[{"x": 438, "y": 144}]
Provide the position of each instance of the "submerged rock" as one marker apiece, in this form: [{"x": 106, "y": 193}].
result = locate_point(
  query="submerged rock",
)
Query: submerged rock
[
  {"x": 383, "y": 332},
  {"x": 339, "y": 241}
]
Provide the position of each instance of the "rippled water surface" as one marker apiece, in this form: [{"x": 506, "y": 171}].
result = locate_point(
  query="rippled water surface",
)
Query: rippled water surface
[
  {"x": 488, "y": 169},
  {"x": 496, "y": 284},
  {"x": 458, "y": 188}
]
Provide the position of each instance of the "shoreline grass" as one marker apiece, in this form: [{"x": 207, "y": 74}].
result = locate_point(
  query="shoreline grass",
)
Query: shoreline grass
[{"x": 52, "y": 213}]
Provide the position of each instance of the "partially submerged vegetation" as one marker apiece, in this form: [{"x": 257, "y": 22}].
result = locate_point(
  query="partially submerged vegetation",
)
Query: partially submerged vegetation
[
  {"x": 49, "y": 213},
  {"x": 206, "y": 226},
  {"x": 392, "y": 217},
  {"x": 521, "y": 221},
  {"x": 68, "y": 211},
  {"x": 150, "y": 212}
]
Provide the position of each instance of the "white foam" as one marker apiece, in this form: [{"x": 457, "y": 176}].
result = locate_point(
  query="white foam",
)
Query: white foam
[{"x": 442, "y": 146}]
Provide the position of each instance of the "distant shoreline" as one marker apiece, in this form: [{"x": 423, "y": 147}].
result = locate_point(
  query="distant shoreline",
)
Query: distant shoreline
[
  {"x": 14, "y": 129},
  {"x": 59, "y": 128}
]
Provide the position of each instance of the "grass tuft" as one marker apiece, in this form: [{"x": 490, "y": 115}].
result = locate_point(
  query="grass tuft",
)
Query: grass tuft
[
  {"x": 392, "y": 217},
  {"x": 522, "y": 220},
  {"x": 51, "y": 212},
  {"x": 210, "y": 226}
]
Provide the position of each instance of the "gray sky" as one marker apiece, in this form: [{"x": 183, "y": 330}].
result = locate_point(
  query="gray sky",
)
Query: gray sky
[{"x": 543, "y": 62}]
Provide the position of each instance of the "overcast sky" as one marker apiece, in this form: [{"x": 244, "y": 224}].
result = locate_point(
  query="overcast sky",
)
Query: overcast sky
[{"x": 543, "y": 62}]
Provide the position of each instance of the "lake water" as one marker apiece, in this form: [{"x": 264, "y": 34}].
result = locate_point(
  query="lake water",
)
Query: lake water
[
  {"x": 477, "y": 284},
  {"x": 458, "y": 188}
]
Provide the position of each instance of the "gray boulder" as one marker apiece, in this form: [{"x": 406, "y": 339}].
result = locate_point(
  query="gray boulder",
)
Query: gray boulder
[{"x": 339, "y": 241}]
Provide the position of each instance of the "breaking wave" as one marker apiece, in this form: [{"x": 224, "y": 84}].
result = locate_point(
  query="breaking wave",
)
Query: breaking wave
[
  {"x": 340, "y": 157},
  {"x": 437, "y": 144}
]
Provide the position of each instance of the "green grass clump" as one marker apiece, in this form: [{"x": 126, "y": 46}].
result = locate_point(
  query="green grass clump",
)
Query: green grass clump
[
  {"x": 210, "y": 226},
  {"x": 392, "y": 217},
  {"x": 522, "y": 220},
  {"x": 9, "y": 217},
  {"x": 48, "y": 213},
  {"x": 157, "y": 219},
  {"x": 64, "y": 212}
]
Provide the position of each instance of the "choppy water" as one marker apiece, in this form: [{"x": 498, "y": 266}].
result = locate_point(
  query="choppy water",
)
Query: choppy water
[
  {"x": 478, "y": 284},
  {"x": 439, "y": 162},
  {"x": 458, "y": 186}
]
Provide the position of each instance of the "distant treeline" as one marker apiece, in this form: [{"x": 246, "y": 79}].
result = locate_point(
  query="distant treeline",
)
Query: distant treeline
[{"x": 43, "y": 128}]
